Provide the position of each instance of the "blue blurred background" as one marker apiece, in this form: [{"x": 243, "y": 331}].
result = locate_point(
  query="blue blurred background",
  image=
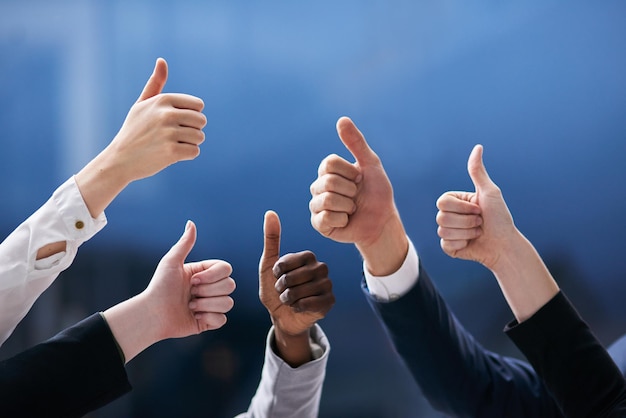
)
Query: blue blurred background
[{"x": 542, "y": 84}]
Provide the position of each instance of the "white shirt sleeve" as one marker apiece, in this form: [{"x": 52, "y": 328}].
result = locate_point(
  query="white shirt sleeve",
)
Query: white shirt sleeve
[
  {"x": 64, "y": 217},
  {"x": 396, "y": 285},
  {"x": 287, "y": 392}
]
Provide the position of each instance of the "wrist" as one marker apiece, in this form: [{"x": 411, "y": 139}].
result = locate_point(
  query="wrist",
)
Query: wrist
[
  {"x": 524, "y": 279},
  {"x": 99, "y": 182},
  {"x": 385, "y": 255},
  {"x": 295, "y": 350},
  {"x": 132, "y": 326},
  {"x": 510, "y": 255}
]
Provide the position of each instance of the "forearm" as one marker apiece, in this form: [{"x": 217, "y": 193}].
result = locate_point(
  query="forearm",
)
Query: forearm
[
  {"x": 133, "y": 326},
  {"x": 295, "y": 350},
  {"x": 100, "y": 182},
  {"x": 525, "y": 281}
]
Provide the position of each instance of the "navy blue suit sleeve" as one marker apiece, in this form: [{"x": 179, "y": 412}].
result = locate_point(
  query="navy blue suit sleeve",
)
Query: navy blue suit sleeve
[
  {"x": 69, "y": 375},
  {"x": 578, "y": 371},
  {"x": 455, "y": 373}
]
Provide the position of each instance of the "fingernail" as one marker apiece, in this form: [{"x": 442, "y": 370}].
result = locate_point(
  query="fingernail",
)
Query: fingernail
[
  {"x": 358, "y": 178},
  {"x": 187, "y": 225},
  {"x": 195, "y": 280},
  {"x": 193, "y": 305},
  {"x": 283, "y": 297},
  {"x": 276, "y": 271}
]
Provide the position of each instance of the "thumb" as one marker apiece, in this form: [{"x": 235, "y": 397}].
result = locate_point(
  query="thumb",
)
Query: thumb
[
  {"x": 476, "y": 169},
  {"x": 182, "y": 248},
  {"x": 156, "y": 82},
  {"x": 354, "y": 140},
  {"x": 271, "y": 241}
]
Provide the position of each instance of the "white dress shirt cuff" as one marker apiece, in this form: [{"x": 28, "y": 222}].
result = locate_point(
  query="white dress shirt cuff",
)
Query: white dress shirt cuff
[
  {"x": 68, "y": 209},
  {"x": 396, "y": 285}
]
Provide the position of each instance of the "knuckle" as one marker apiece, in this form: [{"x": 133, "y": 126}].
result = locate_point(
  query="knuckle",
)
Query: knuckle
[
  {"x": 321, "y": 269},
  {"x": 308, "y": 256},
  {"x": 440, "y": 217},
  {"x": 329, "y": 164},
  {"x": 167, "y": 117},
  {"x": 327, "y": 285},
  {"x": 326, "y": 200},
  {"x": 332, "y": 183},
  {"x": 440, "y": 201},
  {"x": 200, "y": 103},
  {"x": 333, "y": 162},
  {"x": 162, "y": 99},
  {"x": 325, "y": 217}
]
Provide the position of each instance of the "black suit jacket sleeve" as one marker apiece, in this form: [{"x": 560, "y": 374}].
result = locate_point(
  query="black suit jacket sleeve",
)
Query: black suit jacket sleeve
[
  {"x": 76, "y": 371},
  {"x": 578, "y": 371},
  {"x": 456, "y": 374}
]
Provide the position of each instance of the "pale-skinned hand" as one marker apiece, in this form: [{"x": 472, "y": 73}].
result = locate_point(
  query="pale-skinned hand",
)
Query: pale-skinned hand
[
  {"x": 353, "y": 203},
  {"x": 189, "y": 298},
  {"x": 160, "y": 129},
  {"x": 476, "y": 225}
]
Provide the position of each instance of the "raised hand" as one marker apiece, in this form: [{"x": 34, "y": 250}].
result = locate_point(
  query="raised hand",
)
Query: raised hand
[
  {"x": 169, "y": 308},
  {"x": 296, "y": 291},
  {"x": 189, "y": 298},
  {"x": 160, "y": 129},
  {"x": 478, "y": 226},
  {"x": 475, "y": 225},
  {"x": 353, "y": 202}
]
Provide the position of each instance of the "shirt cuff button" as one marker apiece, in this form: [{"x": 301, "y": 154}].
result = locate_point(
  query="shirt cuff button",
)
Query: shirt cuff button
[{"x": 79, "y": 225}]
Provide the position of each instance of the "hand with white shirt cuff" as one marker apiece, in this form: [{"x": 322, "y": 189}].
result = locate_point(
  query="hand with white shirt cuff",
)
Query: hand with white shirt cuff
[{"x": 160, "y": 129}]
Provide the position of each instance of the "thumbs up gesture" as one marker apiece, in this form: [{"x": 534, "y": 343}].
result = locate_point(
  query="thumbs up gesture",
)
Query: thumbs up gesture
[
  {"x": 189, "y": 297},
  {"x": 475, "y": 225},
  {"x": 350, "y": 201},
  {"x": 353, "y": 202},
  {"x": 160, "y": 129},
  {"x": 296, "y": 291}
]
